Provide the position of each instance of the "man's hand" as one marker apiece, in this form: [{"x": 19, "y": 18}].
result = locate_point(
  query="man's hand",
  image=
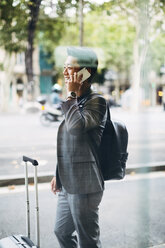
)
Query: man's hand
[
  {"x": 73, "y": 84},
  {"x": 53, "y": 186}
]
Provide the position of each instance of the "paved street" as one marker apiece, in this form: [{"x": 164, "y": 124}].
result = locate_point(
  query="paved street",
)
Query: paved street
[
  {"x": 131, "y": 213},
  {"x": 22, "y": 134}
]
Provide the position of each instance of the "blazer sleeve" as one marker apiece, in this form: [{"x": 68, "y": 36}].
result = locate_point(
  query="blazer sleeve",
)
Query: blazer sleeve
[{"x": 90, "y": 116}]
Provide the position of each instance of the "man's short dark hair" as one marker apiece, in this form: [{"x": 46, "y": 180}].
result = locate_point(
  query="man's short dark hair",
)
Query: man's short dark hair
[{"x": 86, "y": 57}]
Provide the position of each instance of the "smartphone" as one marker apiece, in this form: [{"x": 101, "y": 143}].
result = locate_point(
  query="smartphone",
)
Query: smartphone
[{"x": 85, "y": 74}]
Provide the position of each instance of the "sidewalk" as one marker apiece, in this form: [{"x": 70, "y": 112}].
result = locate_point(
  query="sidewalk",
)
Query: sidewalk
[{"x": 131, "y": 212}]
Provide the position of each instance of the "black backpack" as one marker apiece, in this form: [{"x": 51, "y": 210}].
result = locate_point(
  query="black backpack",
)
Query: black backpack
[
  {"x": 112, "y": 154},
  {"x": 113, "y": 150}
]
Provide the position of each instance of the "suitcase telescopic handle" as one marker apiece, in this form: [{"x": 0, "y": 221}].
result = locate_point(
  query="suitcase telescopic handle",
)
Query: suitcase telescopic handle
[{"x": 33, "y": 161}]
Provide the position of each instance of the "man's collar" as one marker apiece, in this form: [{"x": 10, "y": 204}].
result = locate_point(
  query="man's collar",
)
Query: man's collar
[{"x": 84, "y": 95}]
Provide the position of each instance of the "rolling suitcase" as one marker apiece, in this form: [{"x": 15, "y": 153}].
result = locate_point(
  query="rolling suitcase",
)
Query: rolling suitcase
[{"x": 16, "y": 241}]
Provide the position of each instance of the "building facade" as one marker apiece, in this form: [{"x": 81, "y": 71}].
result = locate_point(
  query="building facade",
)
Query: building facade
[{"x": 14, "y": 87}]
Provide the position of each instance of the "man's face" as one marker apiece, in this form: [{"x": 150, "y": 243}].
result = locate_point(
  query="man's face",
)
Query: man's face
[{"x": 70, "y": 67}]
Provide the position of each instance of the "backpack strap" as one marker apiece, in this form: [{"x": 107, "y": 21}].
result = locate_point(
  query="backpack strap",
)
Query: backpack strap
[
  {"x": 88, "y": 97},
  {"x": 92, "y": 143}
]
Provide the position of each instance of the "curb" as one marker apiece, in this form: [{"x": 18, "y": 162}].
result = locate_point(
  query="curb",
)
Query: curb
[
  {"x": 146, "y": 167},
  {"x": 20, "y": 179},
  {"x": 45, "y": 177}
]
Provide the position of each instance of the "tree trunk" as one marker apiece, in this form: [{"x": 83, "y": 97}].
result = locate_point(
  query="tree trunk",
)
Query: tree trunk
[
  {"x": 136, "y": 75},
  {"x": 142, "y": 30},
  {"x": 34, "y": 6},
  {"x": 6, "y": 78}
]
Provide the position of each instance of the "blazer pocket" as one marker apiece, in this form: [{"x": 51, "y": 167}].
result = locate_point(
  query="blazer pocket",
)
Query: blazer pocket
[{"x": 82, "y": 159}]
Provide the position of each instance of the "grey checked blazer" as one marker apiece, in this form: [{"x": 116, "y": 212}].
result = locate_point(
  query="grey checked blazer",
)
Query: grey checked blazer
[{"x": 77, "y": 170}]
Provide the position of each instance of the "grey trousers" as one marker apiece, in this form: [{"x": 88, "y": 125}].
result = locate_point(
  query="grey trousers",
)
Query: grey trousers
[{"x": 78, "y": 212}]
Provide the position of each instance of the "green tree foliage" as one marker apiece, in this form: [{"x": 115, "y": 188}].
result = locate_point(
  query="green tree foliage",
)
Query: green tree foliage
[
  {"x": 17, "y": 17},
  {"x": 157, "y": 52},
  {"x": 114, "y": 35},
  {"x": 53, "y": 26},
  {"x": 13, "y": 25},
  {"x": 110, "y": 26},
  {"x": 18, "y": 20},
  {"x": 18, "y": 27}
]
